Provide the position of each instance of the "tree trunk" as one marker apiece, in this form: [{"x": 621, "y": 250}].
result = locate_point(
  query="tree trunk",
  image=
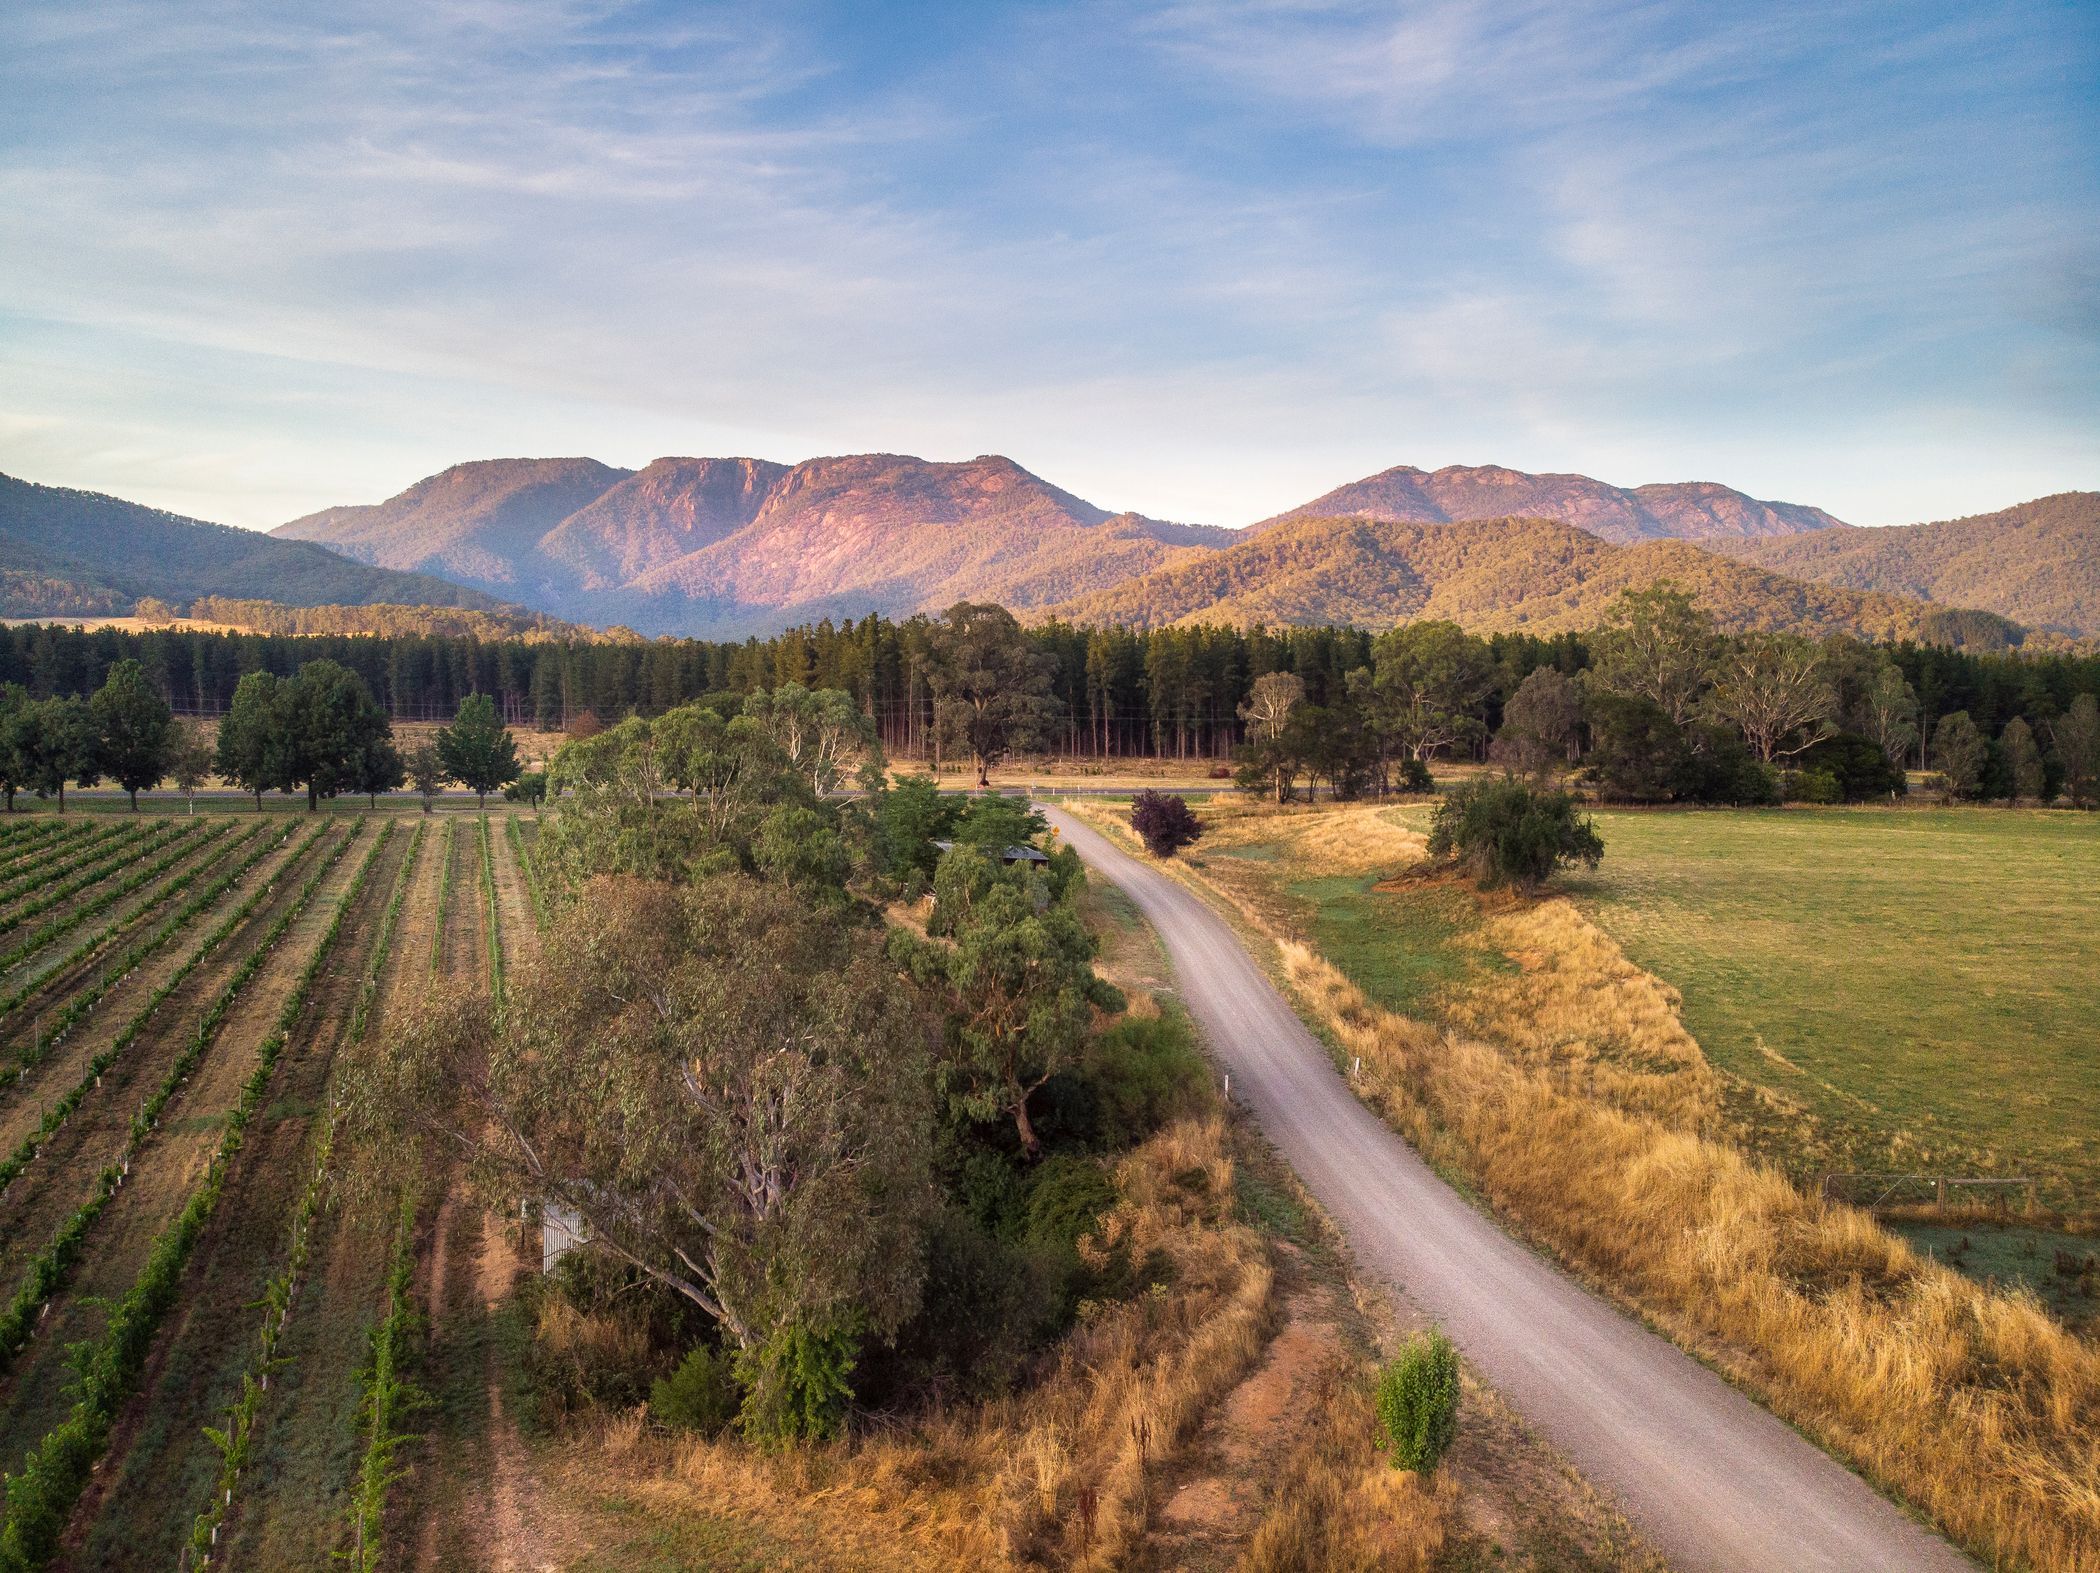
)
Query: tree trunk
[
  {"x": 258, "y": 800},
  {"x": 61, "y": 797},
  {"x": 313, "y": 798},
  {"x": 134, "y": 791},
  {"x": 1031, "y": 1144}
]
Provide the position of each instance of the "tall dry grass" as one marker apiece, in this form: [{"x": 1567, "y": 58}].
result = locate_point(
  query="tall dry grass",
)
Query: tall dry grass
[
  {"x": 1580, "y": 1012},
  {"x": 1973, "y": 1404},
  {"x": 1059, "y": 1474},
  {"x": 1339, "y": 1507}
]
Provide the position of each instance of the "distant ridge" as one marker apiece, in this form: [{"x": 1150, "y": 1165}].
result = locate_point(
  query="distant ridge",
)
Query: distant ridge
[
  {"x": 1686, "y": 511},
  {"x": 1496, "y": 575},
  {"x": 65, "y": 552},
  {"x": 733, "y": 546},
  {"x": 729, "y": 546},
  {"x": 2038, "y": 562}
]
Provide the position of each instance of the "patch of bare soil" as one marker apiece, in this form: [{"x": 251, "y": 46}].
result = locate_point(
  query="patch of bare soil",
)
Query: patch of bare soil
[
  {"x": 514, "y": 1490},
  {"x": 1233, "y": 1462}
]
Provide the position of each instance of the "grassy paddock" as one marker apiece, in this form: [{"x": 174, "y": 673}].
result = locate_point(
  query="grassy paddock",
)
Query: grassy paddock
[{"x": 1919, "y": 983}]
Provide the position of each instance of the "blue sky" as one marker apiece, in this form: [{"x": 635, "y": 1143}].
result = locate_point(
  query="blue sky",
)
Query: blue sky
[{"x": 1203, "y": 260}]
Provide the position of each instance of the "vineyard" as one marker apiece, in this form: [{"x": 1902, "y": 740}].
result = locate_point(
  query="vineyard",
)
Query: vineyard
[{"x": 208, "y": 1357}]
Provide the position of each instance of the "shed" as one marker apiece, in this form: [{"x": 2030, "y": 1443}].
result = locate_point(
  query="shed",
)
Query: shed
[
  {"x": 1010, "y": 856},
  {"x": 562, "y": 1229}
]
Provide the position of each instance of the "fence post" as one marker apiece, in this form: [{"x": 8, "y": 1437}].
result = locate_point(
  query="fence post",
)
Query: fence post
[{"x": 1939, "y": 1192}]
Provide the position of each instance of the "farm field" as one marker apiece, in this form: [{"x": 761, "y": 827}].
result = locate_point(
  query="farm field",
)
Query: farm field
[
  {"x": 1921, "y": 983},
  {"x": 176, "y": 999},
  {"x": 1905, "y": 991}
]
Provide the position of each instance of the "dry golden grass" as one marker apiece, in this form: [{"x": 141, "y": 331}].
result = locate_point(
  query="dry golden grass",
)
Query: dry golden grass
[
  {"x": 1348, "y": 840},
  {"x": 1975, "y": 1405},
  {"x": 1060, "y": 1474},
  {"x": 1340, "y": 1508},
  {"x": 1580, "y": 1012}
]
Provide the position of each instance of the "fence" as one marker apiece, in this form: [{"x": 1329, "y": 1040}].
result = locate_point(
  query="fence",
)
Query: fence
[{"x": 1886, "y": 1192}]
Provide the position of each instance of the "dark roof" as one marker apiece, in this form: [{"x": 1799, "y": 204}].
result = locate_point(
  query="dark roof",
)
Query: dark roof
[{"x": 1010, "y": 855}]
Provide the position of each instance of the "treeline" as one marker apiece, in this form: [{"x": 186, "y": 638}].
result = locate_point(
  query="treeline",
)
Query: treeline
[
  {"x": 1114, "y": 692},
  {"x": 319, "y": 731},
  {"x": 1657, "y": 706},
  {"x": 379, "y": 618}
]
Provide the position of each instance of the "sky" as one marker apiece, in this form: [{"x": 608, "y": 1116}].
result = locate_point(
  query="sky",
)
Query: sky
[{"x": 1204, "y": 260}]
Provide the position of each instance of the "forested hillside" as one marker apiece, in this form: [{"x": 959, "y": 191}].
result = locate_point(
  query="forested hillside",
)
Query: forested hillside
[
  {"x": 110, "y": 552},
  {"x": 379, "y": 618},
  {"x": 1494, "y": 575},
  {"x": 2037, "y": 563},
  {"x": 1688, "y": 510}
]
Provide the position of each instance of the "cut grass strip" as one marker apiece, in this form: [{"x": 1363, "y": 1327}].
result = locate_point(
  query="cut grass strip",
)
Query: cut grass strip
[
  {"x": 382, "y": 947},
  {"x": 42, "y": 1496},
  {"x": 386, "y": 1397},
  {"x": 437, "y": 932},
  {"x": 84, "y": 1002},
  {"x": 495, "y": 918},
  {"x": 102, "y": 901},
  {"x": 237, "y": 1438},
  {"x": 527, "y": 870},
  {"x": 48, "y": 1269}
]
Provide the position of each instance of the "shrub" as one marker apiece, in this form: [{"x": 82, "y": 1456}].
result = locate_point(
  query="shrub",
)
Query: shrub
[
  {"x": 985, "y": 1307},
  {"x": 1859, "y": 766},
  {"x": 795, "y": 1386},
  {"x": 1503, "y": 832},
  {"x": 1812, "y": 786},
  {"x": 1164, "y": 823},
  {"x": 1144, "y": 1072},
  {"x": 1415, "y": 776},
  {"x": 1417, "y": 1403},
  {"x": 1065, "y": 1197},
  {"x": 699, "y": 1396}
]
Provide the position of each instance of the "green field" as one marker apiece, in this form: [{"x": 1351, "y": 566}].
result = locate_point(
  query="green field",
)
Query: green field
[{"x": 1923, "y": 981}]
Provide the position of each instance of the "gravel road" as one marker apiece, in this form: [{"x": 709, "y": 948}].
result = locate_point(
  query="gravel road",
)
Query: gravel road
[{"x": 1712, "y": 1479}]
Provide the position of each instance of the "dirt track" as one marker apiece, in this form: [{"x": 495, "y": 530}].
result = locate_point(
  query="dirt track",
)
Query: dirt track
[{"x": 1711, "y": 1478}]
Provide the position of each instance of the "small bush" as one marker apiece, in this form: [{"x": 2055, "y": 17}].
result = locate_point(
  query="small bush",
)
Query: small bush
[
  {"x": 1144, "y": 1071},
  {"x": 795, "y": 1384},
  {"x": 1813, "y": 786},
  {"x": 1417, "y": 1403},
  {"x": 1164, "y": 822},
  {"x": 1065, "y": 1197},
  {"x": 1503, "y": 832},
  {"x": 1415, "y": 776},
  {"x": 699, "y": 1396}
]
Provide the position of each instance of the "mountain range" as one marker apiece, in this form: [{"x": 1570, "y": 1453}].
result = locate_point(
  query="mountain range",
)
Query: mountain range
[
  {"x": 723, "y": 547},
  {"x": 729, "y": 546},
  {"x": 1684, "y": 511},
  {"x": 66, "y": 552},
  {"x": 1536, "y": 576},
  {"x": 2038, "y": 562}
]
